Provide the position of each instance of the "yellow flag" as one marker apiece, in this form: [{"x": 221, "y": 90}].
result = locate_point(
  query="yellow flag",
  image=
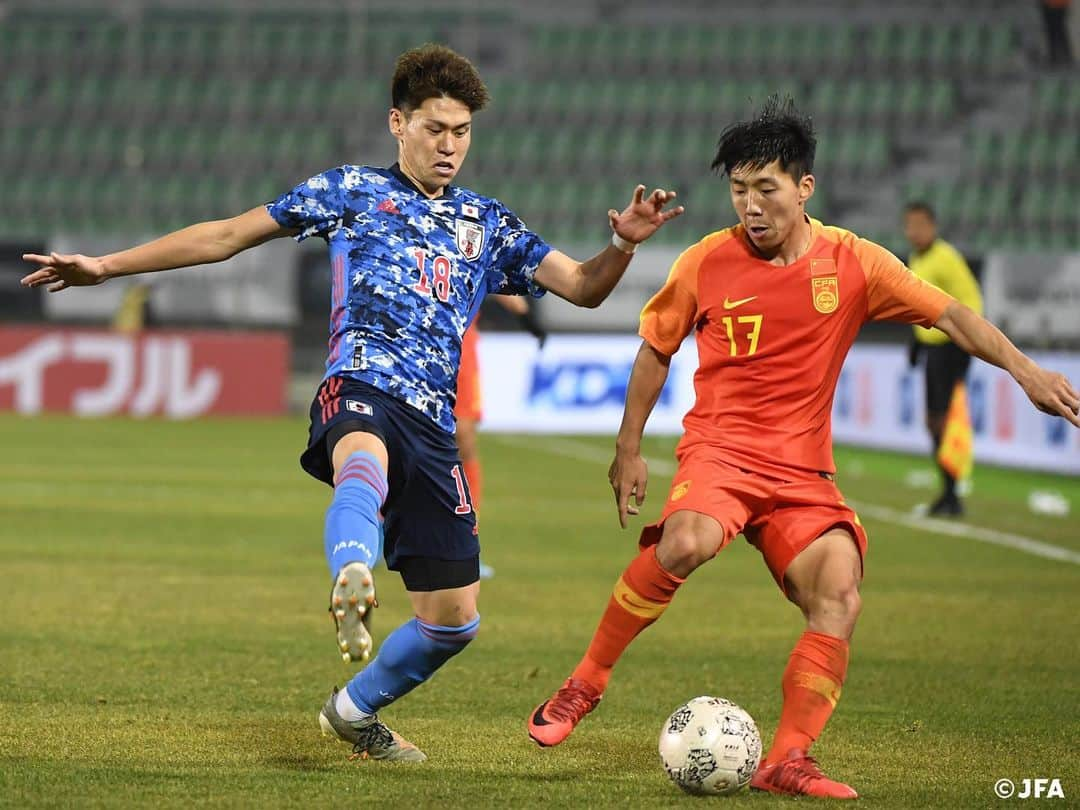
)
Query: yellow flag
[{"x": 956, "y": 454}]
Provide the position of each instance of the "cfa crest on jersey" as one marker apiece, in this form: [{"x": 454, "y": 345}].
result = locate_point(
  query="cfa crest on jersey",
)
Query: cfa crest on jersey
[
  {"x": 824, "y": 285},
  {"x": 469, "y": 238}
]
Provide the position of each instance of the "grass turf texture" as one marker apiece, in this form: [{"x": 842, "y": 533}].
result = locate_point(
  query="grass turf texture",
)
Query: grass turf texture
[{"x": 164, "y": 637}]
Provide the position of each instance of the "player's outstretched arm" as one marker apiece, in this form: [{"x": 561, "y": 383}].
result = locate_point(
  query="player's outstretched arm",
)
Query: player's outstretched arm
[
  {"x": 629, "y": 474},
  {"x": 588, "y": 283},
  {"x": 204, "y": 243},
  {"x": 1048, "y": 390}
]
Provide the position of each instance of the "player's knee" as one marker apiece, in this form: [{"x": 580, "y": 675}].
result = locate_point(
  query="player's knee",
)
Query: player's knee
[
  {"x": 450, "y": 639},
  {"x": 848, "y": 600},
  {"x": 681, "y": 550},
  {"x": 835, "y": 607}
]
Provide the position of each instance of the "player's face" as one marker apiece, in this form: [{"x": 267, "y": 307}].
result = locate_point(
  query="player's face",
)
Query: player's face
[
  {"x": 769, "y": 203},
  {"x": 432, "y": 141},
  {"x": 919, "y": 229}
]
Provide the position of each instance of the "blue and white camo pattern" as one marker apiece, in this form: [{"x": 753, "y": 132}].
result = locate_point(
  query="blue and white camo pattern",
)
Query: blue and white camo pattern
[{"x": 389, "y": 327}]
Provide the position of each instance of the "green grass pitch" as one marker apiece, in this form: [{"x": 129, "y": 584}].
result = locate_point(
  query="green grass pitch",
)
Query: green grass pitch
[{"x": 164, "y": 639}]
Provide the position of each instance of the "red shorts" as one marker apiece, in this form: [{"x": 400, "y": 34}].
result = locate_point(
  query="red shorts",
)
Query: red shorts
[
  {"x": 469, "y": 403},
  {"x": 779, "y": 518}
]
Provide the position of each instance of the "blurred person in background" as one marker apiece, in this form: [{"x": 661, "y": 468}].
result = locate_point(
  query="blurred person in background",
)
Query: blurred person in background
[
  {"x": 133, "y": 312},
  {"x": 937, "y": 262},
  {"x": 1055, "y": 14},
  {"x": 412, "y": 259},
  {"x": 469, "y": 407}
]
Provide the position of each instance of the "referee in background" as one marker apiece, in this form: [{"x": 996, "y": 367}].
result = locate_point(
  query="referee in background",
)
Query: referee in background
[{"x": 936, "y": 261}]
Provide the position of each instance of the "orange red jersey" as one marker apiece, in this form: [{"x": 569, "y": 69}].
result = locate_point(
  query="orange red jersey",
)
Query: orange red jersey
[
  {"x": 771, "y": 340},
  {"x": 469, "y": 403}
]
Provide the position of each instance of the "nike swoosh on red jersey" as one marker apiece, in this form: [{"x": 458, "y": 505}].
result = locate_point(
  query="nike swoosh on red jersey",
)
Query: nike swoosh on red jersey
[{"x": 732, "y": 304}]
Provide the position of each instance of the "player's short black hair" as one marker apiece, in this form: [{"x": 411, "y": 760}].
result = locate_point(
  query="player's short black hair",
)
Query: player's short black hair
[
  {"x": 434, "y": 71},
  {"x": 922, "y": 207},
  {"x": 778, "y": 132}
]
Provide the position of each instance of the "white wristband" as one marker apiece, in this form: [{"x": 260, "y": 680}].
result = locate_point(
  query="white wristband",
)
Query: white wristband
[{"x": 622, "y": 244}]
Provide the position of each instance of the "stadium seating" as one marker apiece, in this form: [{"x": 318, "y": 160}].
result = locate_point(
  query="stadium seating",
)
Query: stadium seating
[{"x": 147, "y": 120}]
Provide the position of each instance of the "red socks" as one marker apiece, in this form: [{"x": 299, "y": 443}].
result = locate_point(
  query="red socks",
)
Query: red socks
[
  {"x": 812, "y": 681},
  {"x": 642, "y": 593}
]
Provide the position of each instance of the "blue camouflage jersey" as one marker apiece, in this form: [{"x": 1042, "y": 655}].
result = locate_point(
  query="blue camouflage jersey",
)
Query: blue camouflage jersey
[{"x": 409, "y": 274}]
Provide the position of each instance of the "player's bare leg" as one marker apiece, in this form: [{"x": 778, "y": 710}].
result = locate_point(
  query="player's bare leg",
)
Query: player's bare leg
[
  {"x": 823, "y": 580},
  {"x": 642, "y": 593},
  {"x": 360, "y": 459}
]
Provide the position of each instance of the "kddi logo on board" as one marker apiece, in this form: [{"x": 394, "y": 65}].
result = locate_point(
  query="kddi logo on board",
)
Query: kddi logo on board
[{"x": 1029, "y": 789}]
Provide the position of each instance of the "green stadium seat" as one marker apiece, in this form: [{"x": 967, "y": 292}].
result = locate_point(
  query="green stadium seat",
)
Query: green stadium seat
[
  {"x": 604, "y": 50},
  {"x": 13, "y": 140},
  {"x": 547, "y": 101},
  {"x": 18, "y": 92},
  {"x": 824, "y": 49},
  {"x": 909, "y": 47},
  {"x": 42, "y": 146},
  {"x": 878, "y": 42},
  {"x": 561, "y": 148},
  {"x": 939, "y": 49},
  {"x": 506, "y": 97},
  {"x": 858, "y": 103},
  {"x": 825, "y": 155},
  {"x": 102, "y": 148},
  {"x": 105, "y": 41},
  {"x": 1038, "y": 153},
  {"x": 983, "y": 151},
  {"x": 1036, "y": 210},
  {"x": 545, "y": 47},
  {"x": 999, "y": 50},
  {"x": 942, "y": 100},
  {"x": 1011, "y": 150},
  {"x": 997, "y": 206},
  {"x": 1064, "y": 160},
  {"x": 825, "y": 100},
  {"x": 876, "y": 154},
  {"x": 695, "y": 51}
]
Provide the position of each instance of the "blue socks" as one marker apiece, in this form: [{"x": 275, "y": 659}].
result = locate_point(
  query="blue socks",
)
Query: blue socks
[
  {"x": 353, "y": 524},
  {"x": 408, "y": 657},
  {"x": 412, "y": 653}
]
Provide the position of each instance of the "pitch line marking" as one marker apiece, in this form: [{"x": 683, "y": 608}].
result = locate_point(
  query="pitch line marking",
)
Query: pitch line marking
[{"x": 582, "y": 451}]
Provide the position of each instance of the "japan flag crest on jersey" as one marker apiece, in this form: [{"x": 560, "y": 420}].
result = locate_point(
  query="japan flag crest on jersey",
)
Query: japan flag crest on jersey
[{"x": 470, "y": 238}]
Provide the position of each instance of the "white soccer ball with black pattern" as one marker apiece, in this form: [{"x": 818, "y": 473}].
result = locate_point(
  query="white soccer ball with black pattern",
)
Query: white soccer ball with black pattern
[{"x": 710, "y": 746}]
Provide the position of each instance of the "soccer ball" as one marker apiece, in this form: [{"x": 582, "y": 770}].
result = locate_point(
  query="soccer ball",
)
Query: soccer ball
[{"x": 710, "y": 746}]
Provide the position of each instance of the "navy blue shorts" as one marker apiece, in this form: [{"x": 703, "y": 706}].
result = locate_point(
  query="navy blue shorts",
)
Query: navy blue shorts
[{"x": 428, "y": 512}]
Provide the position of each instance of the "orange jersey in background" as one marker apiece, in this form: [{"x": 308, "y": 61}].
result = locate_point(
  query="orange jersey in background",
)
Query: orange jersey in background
[
  {"x": 469, "y": 403},
  {"x": 771, "y": 340}
]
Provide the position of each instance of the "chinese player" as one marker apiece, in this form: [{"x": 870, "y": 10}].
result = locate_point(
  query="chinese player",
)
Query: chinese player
[{"x": 774, "y": 304}]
